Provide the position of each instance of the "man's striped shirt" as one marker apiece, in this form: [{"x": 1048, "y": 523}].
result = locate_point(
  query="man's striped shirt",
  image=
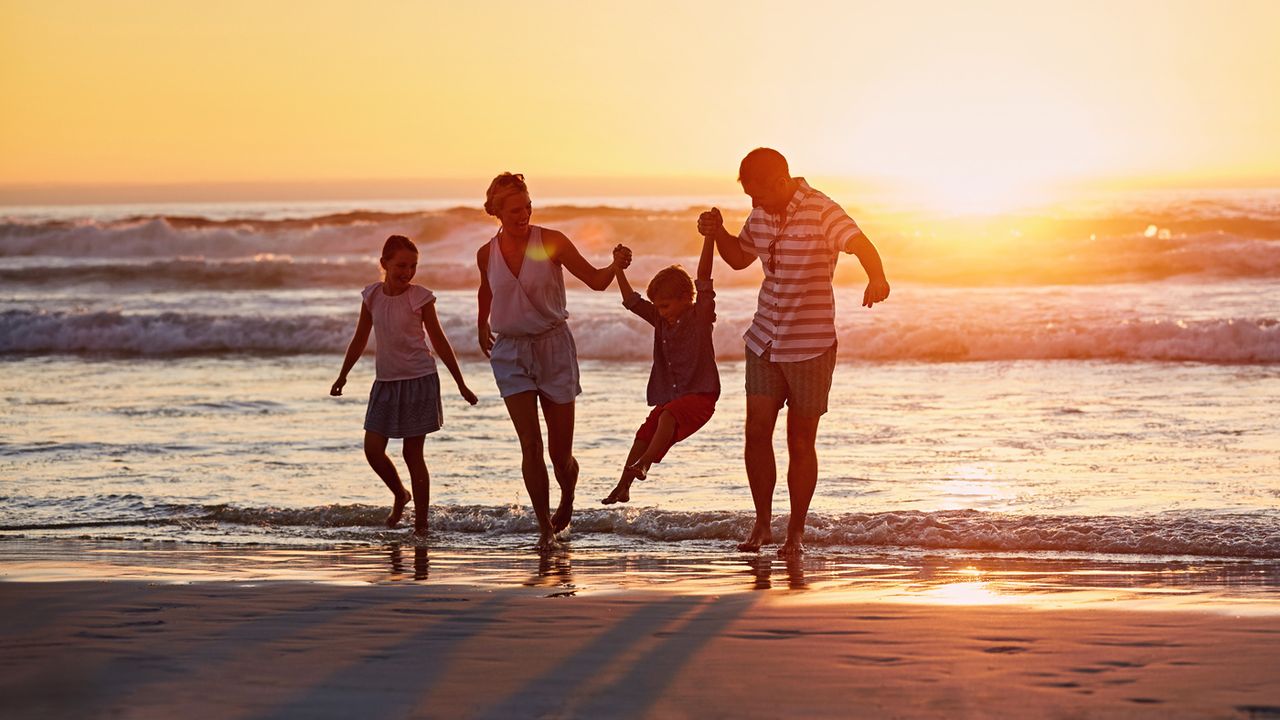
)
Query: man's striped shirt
[{"x": 796, "y": 313}]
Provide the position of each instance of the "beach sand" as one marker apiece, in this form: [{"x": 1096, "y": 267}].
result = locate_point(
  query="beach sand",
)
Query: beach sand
[{"x": 199, "y": 642}]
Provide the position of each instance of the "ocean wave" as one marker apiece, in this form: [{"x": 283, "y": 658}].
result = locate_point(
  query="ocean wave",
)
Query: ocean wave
[
  {"x": 1140, "y": 246},
  {"x": 614, "y": 335},
  {"x": 1240, "y": 535}
]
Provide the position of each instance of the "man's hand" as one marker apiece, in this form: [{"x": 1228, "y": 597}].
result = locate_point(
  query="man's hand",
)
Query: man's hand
[
  {"x": 877, "y": 291},
  {"x": 710, "y": 223},
  {"x": 622, "y": 256}
]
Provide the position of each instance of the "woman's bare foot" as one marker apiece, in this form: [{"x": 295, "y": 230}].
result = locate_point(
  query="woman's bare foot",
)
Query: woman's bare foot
[
  {"x": 760, "y": 535},
  {"x": 397, "y": 509},
  {"x": 620, "y": 494},
  {"x": 564, "y": 513},
  {"x": 547, "y": 541},
  {"x": 792, "y": 549}
]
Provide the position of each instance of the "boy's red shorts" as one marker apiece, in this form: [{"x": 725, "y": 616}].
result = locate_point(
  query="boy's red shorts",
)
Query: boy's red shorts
[{"x": 690, "y": 413}]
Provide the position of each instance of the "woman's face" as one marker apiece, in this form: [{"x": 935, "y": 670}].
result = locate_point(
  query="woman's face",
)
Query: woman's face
[{"x": 515, "y": 213}]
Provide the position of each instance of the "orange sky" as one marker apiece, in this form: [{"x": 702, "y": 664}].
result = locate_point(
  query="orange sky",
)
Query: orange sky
[{"x": 963, "y": 101}]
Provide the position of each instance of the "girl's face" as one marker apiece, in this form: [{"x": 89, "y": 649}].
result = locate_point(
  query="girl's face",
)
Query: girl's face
[
  {"x": 515, "y": 213},
  {"x": 400, "y": 268}
]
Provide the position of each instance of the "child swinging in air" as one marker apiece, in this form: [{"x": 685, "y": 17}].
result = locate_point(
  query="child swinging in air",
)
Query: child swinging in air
[
  {"x": 684, "y": 383},
  {"x": 405, "y": 399}
]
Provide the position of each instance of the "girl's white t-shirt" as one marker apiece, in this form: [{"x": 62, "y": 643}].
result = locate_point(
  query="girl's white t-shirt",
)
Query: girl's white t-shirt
[{"x": 401, "y": 351}]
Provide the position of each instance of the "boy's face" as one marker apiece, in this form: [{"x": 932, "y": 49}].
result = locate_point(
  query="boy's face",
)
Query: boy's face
[{"x": 671, "y": 308}]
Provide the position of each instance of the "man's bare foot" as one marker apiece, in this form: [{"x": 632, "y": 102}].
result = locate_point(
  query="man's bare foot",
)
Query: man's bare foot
[
  {"x": 564, "y": 513},
  {"x": 397, "y": 509},
  {"x": 759, "y": 536},
  {"x": 792, "y": 548},
  {"x": 620, "y": 494},
  {"x": 421, "y": 532}
]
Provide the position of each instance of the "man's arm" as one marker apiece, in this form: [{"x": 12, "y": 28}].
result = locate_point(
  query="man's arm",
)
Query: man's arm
[
  {"x": 711, "y": 225},
  {"x": 877, "y": 286}
]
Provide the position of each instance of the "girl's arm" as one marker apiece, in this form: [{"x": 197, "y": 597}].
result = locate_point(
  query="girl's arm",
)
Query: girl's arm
[
  {"x": 440, "y": 342},
  {"x": 485, "y": 300},
  {"x": 562, "y": 251},
  {"x": 354, "y": 349}
]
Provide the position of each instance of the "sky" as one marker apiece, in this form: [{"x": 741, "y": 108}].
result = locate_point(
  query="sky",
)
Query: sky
[{"x": 975, "y": 100}]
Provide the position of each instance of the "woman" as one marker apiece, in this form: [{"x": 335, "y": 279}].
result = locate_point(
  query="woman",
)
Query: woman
[{"x": 534, "y": 358}]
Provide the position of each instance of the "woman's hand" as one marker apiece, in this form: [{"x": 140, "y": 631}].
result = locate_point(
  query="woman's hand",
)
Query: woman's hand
[{"x": 486, "y": 339}]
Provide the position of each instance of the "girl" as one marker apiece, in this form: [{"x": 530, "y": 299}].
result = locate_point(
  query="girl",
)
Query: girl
[
  {"x": 534, "y": 358},
  {"x": 405, "y": 399}
]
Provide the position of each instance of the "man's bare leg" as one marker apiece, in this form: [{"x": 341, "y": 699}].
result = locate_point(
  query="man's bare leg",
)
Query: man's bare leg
[
  {"x": 375, "y": 451},
  {"x": 523, "y": 409},
  {"x": 802, "y": 477},
  {"x": 560, "y": 417},
  {"x": 622, "y": 493},
  {"x": 420, "y": 479},
  {"x": 762, "y": 472}
]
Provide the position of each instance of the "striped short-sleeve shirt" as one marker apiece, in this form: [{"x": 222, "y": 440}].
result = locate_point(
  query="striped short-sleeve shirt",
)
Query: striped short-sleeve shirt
[{"x": 796, "y": 312}]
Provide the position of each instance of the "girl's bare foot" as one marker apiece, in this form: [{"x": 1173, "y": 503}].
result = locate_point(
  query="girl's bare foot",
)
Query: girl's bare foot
[
  {"x": 759, "y": 536},
  {"x": 397, "y": 510},
  {"x": 793, "y": 548},
  {"x": 620, "y": 494}
]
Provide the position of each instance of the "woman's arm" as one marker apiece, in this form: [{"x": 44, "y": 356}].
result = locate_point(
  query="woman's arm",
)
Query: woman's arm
[
  {"x": 354, "y": 349},
  {"x": 561, "y": 250},
  {"x": 484, "y": 300},
  {"x": 440, "y": 342}
]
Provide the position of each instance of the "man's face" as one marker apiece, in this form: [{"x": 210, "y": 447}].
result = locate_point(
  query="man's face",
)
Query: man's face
[{"x": 770, "y": 194}]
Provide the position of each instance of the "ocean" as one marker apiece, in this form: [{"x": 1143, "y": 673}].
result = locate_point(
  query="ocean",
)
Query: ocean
[{"x": 1096, "y": 380}]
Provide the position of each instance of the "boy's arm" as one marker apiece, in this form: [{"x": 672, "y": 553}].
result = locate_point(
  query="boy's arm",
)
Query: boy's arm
[
  {"x": 440, "y": 342},
  {"x": 707, "y": 259},
  {"x": 484, "y": 300},
  {"x": 355, "y": 348}
]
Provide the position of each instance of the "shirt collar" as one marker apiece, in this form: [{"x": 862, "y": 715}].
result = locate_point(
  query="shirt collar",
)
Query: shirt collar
[{"x": 802, "y": 191}]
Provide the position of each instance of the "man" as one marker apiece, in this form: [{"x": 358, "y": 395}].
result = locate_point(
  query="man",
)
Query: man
[{"x": 797, "y": 233}]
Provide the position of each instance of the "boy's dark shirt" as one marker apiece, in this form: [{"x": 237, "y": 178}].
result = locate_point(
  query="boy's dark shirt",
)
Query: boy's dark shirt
[{"x": 684, "y": 357}]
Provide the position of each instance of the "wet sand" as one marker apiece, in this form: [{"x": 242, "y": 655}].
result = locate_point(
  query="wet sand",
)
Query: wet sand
[{"x": 433, "y": 637}]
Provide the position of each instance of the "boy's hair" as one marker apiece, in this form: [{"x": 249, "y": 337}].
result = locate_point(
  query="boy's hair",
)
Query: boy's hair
[
  {"x": 396, "y": 243},
  {"x": 671, "y": 282},
  {"x": 763, "y": 164},
  {"x": 503, "y": 186}
]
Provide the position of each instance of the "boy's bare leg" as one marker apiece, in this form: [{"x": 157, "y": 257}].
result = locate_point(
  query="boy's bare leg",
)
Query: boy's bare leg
[
  {"x": 762, "y": 473},
  {"x": 802, "y": 477},
  {"x": 660, "y": 443},
  {"x": 420, "y": 479},
  {"x": 622, "y": 493},
  {"x": 375, "y": 451},
  {"x": 523, "y": 409},
  {"x": 560, "y": 419}
]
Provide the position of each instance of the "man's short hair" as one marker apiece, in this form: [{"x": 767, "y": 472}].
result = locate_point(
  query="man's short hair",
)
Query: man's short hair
[
  {"x": 763, "y": 164},
  {"x": 671, "y": 282}
]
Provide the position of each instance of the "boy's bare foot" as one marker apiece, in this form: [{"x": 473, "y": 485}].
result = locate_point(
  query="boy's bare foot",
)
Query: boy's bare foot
[
  {"x": 620, "y": 494},
  {"x": 397, "y": 509},
  {"x": 564, "y": 513},
  {"x": 759, "y": 536},
  {"x": 640, "y": 470},
  {"x": 792, "y": 549}
]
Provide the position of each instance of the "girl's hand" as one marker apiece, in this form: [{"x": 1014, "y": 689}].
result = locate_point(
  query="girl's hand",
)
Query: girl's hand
[
  {"x": 468, "y": 395},
  {"x": 486, "y": 340},
  {"x": 336, "y": 390}
]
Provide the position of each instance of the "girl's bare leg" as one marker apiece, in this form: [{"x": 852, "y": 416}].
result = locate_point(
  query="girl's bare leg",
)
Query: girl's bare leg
[
  {"x": 420, "y": 479},
  {"x": 375, "y": 451}
]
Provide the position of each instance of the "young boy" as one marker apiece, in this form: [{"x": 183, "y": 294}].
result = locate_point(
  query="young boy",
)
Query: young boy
[{"x": 684, "y": 383}]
